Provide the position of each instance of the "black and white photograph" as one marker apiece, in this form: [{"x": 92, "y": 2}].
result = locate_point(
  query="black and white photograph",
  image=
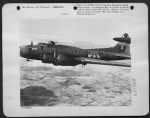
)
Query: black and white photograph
[
  {"x": 76, "y": 58},
  {"x": 67, "y": 74}
]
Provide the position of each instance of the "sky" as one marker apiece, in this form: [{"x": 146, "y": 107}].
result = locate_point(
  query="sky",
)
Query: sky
[
  {"x": 42, "y": 25},
  {"x": 96, "y": 31},
  {"x": 89, "y": 32},
  {"x": 82, "y": 31}
]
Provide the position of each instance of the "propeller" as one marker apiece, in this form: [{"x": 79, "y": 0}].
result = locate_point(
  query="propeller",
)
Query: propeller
[
  {"x": 31, "y": 43},
  {"x": 54, "y": 53},
  {"x": 55, "y": 56}
]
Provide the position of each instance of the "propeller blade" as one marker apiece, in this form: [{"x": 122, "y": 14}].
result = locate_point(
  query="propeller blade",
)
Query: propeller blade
[
  {"x": 54, "y": 53},
  {"x": 31, "y": 43}
]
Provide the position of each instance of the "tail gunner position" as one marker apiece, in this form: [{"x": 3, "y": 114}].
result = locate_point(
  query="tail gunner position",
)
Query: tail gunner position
[{"x": 65, "y": 55}]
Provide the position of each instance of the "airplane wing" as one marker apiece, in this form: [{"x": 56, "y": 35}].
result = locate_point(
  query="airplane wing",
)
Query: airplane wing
[{"x": 102, "y": 62}]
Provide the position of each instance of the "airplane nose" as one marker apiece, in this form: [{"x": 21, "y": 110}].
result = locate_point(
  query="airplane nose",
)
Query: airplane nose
[
  {"x": 20, "y": 50},
  {"x": 24, "y": 51}
]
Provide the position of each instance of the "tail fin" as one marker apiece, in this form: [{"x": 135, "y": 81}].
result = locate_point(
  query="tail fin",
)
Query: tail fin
[
  {"x": 122, "y": 48},
  {"x": 123, "y": 45}
]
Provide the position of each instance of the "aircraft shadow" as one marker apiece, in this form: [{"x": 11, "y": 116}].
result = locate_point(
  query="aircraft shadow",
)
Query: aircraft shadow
[{"x": 37, "y": 96}]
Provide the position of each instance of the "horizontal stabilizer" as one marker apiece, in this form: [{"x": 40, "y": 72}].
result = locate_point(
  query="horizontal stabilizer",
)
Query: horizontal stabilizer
[{"x": 124, "y": 39}]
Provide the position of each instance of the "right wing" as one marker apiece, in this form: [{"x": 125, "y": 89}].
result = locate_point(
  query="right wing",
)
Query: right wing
[{"x": 102, "y": 62}]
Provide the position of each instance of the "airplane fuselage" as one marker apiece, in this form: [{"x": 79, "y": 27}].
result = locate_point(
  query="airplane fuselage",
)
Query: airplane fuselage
[
  {"x": 69, "y": 56},
  {"x": 64, "y": 55}
]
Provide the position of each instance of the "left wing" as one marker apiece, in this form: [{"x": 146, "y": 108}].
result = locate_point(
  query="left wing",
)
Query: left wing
[{"x": 102, "y": 62}]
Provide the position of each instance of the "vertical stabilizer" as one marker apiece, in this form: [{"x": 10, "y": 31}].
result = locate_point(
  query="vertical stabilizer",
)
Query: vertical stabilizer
[{"x": 123, "y": 45}]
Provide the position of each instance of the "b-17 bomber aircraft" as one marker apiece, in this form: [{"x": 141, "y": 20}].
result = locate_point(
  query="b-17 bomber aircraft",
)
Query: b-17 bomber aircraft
[{"x": 65, "y": 55}]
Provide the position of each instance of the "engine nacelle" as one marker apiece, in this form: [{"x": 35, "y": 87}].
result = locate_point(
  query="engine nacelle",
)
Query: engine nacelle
[
  {"x": 48, "y": 58},
  {"x": 64, "y": 60},
  {"x": 59, "y": 59}
]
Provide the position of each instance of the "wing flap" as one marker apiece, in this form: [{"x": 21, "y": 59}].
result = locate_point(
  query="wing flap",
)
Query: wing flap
[{"x": 102, "y": 62}]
